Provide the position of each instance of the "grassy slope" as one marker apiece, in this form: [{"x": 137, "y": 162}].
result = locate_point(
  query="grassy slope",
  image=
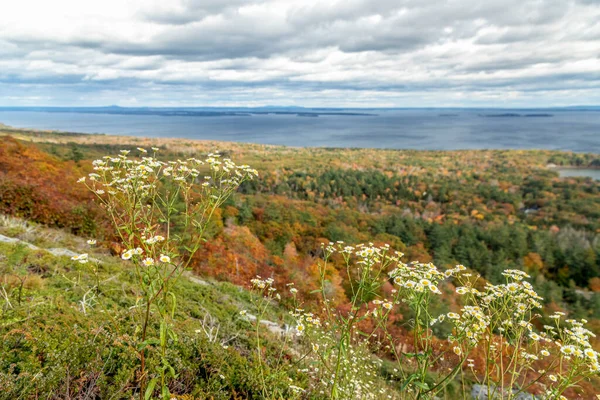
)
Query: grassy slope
[{"x": 63, "y": 338}]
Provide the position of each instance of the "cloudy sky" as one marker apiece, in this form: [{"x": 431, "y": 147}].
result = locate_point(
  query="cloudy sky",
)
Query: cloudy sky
[{"x": 300, "y": 52}]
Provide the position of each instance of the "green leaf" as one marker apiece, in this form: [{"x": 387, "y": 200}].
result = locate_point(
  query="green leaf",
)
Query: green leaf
[
  {"x": 174, "y": 304},
  {"x": 421, "y": 385},
  {"x": 150, "y": 389},
  {"x": 408, "y": 380},
  {"x": 147, "y": 342},
  {"x": 163, "y": 334},
  {"x": 165, "y": 392}
]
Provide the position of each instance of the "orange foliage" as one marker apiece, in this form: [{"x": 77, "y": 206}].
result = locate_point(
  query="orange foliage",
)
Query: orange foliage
[
  {"x": 40, "y": 188},
  {"x": 533, "y": 262},
  {"x": 236, "y": 255},
  {"x": 595, "y": 284}
]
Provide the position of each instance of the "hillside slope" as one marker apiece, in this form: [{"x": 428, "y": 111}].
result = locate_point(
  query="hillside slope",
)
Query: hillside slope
[{"x": 67, "y": 327}]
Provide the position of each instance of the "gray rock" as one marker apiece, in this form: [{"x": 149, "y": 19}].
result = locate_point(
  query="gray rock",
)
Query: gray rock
[
  {"x": 480, "y": 392},
  {"x": 62, "y": 252},
  {"x": 6, "y": 239},
  {"x": 272, "y": 326},
  {"x": 197, "y": 280}
]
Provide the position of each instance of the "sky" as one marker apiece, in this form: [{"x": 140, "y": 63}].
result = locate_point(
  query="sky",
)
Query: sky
[{"x": 314, "y": 53}]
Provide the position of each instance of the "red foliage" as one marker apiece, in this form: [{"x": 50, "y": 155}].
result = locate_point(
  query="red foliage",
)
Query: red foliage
[
  {"x": 40, "y": 188},
  {"x": 236, "y": 255}
]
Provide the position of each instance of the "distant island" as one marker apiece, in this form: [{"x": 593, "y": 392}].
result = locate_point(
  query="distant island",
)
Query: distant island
[
  {"x": 513, "y": 115},
  {"x": 194, "y": 112}
]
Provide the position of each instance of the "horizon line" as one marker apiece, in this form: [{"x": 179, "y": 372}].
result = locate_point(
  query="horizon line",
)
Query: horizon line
[{"x": 312, "y": 107}]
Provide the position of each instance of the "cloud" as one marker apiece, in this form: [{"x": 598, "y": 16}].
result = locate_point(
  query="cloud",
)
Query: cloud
[{"x": 387, "y": 52}]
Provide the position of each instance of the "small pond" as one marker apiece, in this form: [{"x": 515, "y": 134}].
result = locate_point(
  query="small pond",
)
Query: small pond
[{"x": 568, "y": 172}]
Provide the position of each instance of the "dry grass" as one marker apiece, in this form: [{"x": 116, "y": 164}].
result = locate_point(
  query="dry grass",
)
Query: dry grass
[{"x": 29, "y": 281}]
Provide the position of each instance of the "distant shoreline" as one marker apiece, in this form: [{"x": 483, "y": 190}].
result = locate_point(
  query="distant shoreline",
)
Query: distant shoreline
[{"x": 183, "y": 112}]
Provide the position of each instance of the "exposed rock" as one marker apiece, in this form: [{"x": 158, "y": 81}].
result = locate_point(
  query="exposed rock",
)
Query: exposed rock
[
  {"x": 6, "y": 239},
  {"x": 480, "y": 392},
  {"x": 62, "y": 252},
  {"x": 275, "y": 328},
  {"x": 196, "y": 279}
]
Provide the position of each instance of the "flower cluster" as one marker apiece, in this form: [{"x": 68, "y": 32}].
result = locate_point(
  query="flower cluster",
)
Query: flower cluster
[
  {"x": 574, "y": 343},
  {"x": 159, "y": 208},
  {"x": 471, "y": 324},
  {"x": 265, "y": 287},
  {"x": 499, "y": 318},
  {"x": 418, "y": 277},
  {"x": 154, "y": 239},
  {"x": 367, "y": 256},
  {"x": 355, "y": 376},
  {"x": 135, "y": 177},
  {"x": 128, "y": 254},
  {"x": 260, "y": 283},
  {"x": 304, "y": 320}
]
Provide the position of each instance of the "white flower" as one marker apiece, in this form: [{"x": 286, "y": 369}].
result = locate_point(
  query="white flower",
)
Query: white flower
[
  {"x": 296, "y": 389},
  {"x": 82, "y": 258},
  {"x": 127, "y": 255},
  {"x": 165, "y": 259},
  {"x": 590, "y": 353},
  {"x": 567, "y": 350},
  {"x": 148, "y": 261},
  {"x": 155, "y": 239},
  {"x": 434, "y": 289},
  {"x": 512, "y": 287},
  {"x": 91, "y": 242}
]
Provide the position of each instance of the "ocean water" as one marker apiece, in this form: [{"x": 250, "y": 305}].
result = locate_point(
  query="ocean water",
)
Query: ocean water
[{"x": 395, "y": 129}]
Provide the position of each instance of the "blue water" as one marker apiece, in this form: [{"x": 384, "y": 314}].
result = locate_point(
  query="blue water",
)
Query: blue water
[
  {"x": 396, "y": 129},
  {"x": 580, "y": 172}
]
